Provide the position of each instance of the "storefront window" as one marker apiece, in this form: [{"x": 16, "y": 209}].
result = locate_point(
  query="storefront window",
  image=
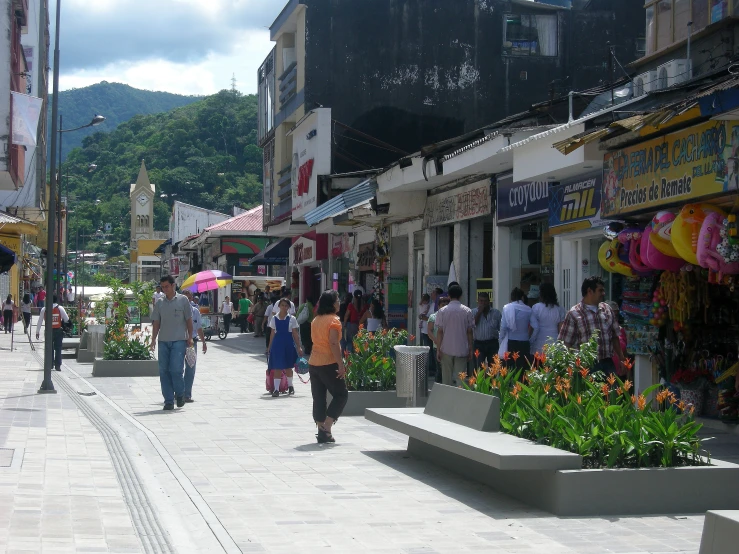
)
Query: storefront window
[
  {"x": 664, "y": 24},
  {"x": 534, "y": 263},
  {"x": 651, "y": 28}
]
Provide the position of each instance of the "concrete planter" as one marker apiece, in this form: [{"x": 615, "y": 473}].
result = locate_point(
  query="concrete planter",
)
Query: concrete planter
[
  {"x": 125, "y": 368},
  {"x": 589, "y": 492},
  {"x": 361, "y": 400}
]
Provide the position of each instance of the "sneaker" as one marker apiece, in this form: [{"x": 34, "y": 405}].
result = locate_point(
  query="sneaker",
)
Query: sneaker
[
  {"x": 168, "y": 407},
  {"x": 189, "y": 400},
  {"x": 275, "y": 394},
  {"x": 180, "y": 401},
  {"x": 290, "y": 390}
]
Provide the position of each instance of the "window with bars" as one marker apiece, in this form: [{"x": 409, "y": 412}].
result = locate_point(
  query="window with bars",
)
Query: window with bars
[{"x": 530, "y": 35}]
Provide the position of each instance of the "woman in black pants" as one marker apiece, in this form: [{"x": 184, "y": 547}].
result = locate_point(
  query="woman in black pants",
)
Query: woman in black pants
[{"x": 327, "y": 370}]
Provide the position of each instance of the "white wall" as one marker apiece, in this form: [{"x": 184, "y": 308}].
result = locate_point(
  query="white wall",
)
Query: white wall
[
  {"x": 191, "y": 220},
  {"x": 316, "y": 148}
]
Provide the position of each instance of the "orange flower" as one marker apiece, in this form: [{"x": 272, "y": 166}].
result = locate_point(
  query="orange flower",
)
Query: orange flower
[
  {"x": 384, "y": 332},
  {"x": 374, "y": 358},
  {"x": 544, "y": 356},
  {"x": 642, "y": 403},
  {"x": 516, "y": 390},
  {"x": 472, "y": 380},
  {"x": 515, "y": 356},
  {"x": 569, "y": 371},
  {"x": 558, "y": 387},
  {"x": 477, "y": 353},
  {"x": 672, "y": 398},
  {"x": 584, "y": 372},
  {"x": 412, "y": 337},
  {"x": 627, "y": 385},
  {"x": 611, "y": 379},
  {"x": 619, "y": 391},
  {"x": 549, "y": 408},
  {"x": 662, "y": 395},
  {"x": 579, "y": 399},
  {"x": 604, "y": 389},
  {"x": 507, "y": 356},
  {"x": 361, "y": 327},
  {"x": 682, "y": 405},
  {"x": 547, "y": 388},
  {"x": 496, "y": 359},
  {"x": 495, "y": 384},
  {"x": 633, "y": 399},
  {"x": 578, "y": 363},
  {"x": 503, "y": 371},
  {"x": 692, "y": 410},
  {"x": 462, "y": 376},
  {"x": 628, "y": 364}
]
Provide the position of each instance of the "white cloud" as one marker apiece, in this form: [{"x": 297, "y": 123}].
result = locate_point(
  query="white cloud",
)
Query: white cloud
[{"x": 206, "y": 76}]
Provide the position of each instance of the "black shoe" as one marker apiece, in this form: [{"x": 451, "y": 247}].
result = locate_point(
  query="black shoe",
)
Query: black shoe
[
  {"x": 324, "y": 437},
  {"x": 58, "y": 368},
  {"x": 275, "y": 394},
  {"x": 168, "y": 407},
  {"x": 189, "y": 400},
  {"x": 180, "y": 401},
  {"x": 290, "y": 390}
]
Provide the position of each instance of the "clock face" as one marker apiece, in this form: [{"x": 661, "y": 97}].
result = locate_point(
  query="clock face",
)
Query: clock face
[{"x": 142, "y": 199}]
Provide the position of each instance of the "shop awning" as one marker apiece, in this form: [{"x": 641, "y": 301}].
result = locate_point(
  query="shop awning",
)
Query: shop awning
[
  {"x": 277, "y": 253},
  {"x": 7, "y": 259},
  {"x": 355, "y": 196}
]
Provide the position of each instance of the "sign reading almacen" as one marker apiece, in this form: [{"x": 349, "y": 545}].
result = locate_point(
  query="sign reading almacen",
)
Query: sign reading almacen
[{"x": 697, "y": 162}]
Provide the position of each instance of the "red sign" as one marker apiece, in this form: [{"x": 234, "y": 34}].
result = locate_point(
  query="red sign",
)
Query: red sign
[{"x": 174, "y": 266}]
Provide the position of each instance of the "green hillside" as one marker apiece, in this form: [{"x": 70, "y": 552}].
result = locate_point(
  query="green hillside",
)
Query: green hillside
[
  {"x": 116, "y": 101},
  {"x": 204, "y": 153}
]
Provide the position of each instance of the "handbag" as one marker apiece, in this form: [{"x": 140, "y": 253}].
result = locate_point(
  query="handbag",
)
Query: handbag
[
  {"x": 250, "y": 318},
  {"x": 191, "y": 356},
  {"x": 303, "y": 315},
  {"x": 270, "y": 382},
  {"x": 302, "y": 368}
]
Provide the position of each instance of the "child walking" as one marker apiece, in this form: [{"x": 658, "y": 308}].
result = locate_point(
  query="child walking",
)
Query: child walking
[{"x": 284, "y": 347}]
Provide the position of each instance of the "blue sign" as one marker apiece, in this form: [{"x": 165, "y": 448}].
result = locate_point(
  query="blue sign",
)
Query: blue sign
[
  {"x": 521, "y": 200},
  {"x": 575, "y": 204}
]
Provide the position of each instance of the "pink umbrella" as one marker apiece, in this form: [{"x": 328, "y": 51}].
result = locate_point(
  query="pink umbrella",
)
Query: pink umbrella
[{"x": 211, "y": 279}]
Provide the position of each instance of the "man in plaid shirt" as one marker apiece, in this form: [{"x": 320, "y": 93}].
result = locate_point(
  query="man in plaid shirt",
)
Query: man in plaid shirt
[{"x": 590, "y": 315}]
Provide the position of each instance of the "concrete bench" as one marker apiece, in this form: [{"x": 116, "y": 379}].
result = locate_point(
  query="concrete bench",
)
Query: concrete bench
[
  {"x": 461, "y": 425},
  {"x": 720, "y": 532}
]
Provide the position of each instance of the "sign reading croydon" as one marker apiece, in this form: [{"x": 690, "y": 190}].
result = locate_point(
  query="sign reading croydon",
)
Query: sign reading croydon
[
  {"x": 521, "y": 200},
  {"x": 693, "y": 163}
]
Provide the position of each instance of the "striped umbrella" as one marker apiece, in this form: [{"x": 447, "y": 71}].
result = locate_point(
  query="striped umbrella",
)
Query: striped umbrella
[{"x": 207, "y": 280}]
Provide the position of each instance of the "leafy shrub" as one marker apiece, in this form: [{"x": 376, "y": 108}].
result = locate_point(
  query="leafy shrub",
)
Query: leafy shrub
[
  {"x": 558, "y": 402},
  {"x": 371, "y": 367},
  {"x": 120, "y": 342}
]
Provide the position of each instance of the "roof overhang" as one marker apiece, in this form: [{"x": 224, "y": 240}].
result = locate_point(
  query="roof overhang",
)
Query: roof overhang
[{"x": 287, "y": 228}]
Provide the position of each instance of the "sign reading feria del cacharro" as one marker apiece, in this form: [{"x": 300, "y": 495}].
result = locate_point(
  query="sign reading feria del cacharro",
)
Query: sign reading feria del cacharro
[{"x": 699, "y": 161}]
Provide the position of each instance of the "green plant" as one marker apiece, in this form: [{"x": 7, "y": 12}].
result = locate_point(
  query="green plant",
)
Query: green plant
[
  {"x": 371, "y": 367},
  {"x": 120, "y": 342},
  {"x": 560, "y": 403}
]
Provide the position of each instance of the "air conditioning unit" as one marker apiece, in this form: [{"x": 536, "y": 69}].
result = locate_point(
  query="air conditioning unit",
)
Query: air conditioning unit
[
  {"x": 674, "y": 72},
  {"x": 645, "y": 83}
]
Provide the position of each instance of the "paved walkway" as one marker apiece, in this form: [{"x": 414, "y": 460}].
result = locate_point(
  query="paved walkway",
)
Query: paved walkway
[{"x": 239, "y": 471}]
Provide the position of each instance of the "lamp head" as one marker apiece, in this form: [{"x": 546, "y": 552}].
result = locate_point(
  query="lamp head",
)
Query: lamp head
[{"x": 97, "y": 120}]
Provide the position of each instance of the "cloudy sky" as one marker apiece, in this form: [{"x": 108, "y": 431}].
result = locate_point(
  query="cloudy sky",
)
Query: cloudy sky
[{"x": 182, "y": 46}]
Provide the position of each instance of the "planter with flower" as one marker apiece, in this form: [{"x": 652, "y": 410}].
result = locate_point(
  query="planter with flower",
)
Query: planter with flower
[
  {"x": 126, "y": 350},
  {"x": 371, "y": 372}
]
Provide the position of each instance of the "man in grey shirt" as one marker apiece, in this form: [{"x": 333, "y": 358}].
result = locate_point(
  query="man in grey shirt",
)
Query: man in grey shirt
[{"x": 172, "y": 324}]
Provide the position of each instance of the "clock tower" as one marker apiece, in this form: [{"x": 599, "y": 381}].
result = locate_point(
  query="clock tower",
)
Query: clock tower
[{"x": 142, "y": 208}]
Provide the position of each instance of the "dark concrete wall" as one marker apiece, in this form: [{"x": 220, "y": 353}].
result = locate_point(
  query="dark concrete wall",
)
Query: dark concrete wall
[{"x": 413, "y": 72}]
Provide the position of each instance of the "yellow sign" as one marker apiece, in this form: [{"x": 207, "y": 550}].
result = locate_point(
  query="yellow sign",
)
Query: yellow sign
[{"x": 694, "y": 163}]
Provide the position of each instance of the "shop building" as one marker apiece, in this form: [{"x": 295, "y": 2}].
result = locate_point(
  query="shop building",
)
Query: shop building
[{"x": 15, "y": 275}]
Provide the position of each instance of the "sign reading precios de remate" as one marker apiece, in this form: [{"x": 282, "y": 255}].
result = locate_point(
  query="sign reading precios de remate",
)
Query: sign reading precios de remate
[
  {"x": 521, "y": 200},
  {"x": 699, "y": 161}
]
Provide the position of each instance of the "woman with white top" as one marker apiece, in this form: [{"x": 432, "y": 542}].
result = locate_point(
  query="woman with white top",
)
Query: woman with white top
[
  {"x": 8, "y": 310},
  {"x": 26, "y": 305},
  {"x": 284, "y": 347},
  {"x": 546, "y": 318},
  {"x": 374, "y": 318},
  {"x": 227, "y": 309}
]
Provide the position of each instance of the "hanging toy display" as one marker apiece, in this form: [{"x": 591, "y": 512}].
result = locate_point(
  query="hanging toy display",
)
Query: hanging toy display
[
  {"x": 661, "y": 236},
  {"x": 631, "y": 239},
  {"x": 686, "y": 229},
  {"x": 715, "y": 251},
  {"x": 660, "y": 311},
  {"x": 610, "y": 258},
  {"x": 654, "y": 234}
]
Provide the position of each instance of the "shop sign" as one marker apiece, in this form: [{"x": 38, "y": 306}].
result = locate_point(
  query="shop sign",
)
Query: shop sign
[
  {"x": 311, "y": 158},
  {"x": 174, "y": 267},
  {"x": 340, "y": 244},
  {"x": 576, "y": 205},
  {"x": 697, "y": 162},
  {"x": 303, "y": 251},
  {"x": 521, "y": 200},
  {"x": 366, "y": 257},
  {"x": 459, "y": 204}
]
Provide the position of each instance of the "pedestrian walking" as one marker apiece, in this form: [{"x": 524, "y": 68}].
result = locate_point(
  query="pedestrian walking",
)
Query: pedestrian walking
[
  {"x": 284, "y": 347},
  {"x": 172, "y": 325},
  {"x": 26, "y": 306},
  {"x": 70, "y": 296},
  {"x": 8, "y": 313},
  {"x": 374, "y": 318},
  {"x": 326, "y": 366},
  {"x": 354, "y": 312},
  {"x": 546, "y": 318},
  {"x": 305, "y": 317},
  {"x": 487, "y": 328},
  {"x": 158, "y": 295},
  {"x": 285, "y": 296},
  {"x": 268, "y": 313},
  {"x": 227, "y": 309},
  {"x": 588, "y": 316},
  {"x": 244, "y": 308},
  {"x": 259, "y": 309},
  {"x": 454, "y": 328},
  {"x": 443, "y": 301},
  {"x": 197, "y": 334},
  {"x": 58, "y": 317},
  {"x": 514, "y": 330},
  {"x": 41, "y": 297}
]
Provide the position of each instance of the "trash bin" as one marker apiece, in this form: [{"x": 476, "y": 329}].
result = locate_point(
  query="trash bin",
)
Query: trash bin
[{"x": 411, "y": 363}]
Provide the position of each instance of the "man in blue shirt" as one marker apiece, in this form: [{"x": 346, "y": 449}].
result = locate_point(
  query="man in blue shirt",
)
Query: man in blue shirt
[{"x": 514, "y": 330}]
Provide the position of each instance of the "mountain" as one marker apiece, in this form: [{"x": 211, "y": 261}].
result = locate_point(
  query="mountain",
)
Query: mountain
[
  {"x": 116, "y": 101},
  {"x": 203, "y": 154}
]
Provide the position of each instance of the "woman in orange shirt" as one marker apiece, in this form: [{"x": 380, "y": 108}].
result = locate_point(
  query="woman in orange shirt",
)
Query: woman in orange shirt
[{"x": 326, "y": 364}]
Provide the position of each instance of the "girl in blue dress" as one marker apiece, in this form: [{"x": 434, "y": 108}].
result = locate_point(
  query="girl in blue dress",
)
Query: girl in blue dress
[{"x": 284, "y": 347}]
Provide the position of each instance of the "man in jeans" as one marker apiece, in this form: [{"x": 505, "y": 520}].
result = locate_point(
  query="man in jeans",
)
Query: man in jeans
[
  {"x": 454, "y": 333},
  {"x": 197, "y": 332},
  {"x": 172, "y": 324}
]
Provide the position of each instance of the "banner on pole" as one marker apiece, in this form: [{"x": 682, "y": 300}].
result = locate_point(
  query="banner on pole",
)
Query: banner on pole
[{"x": 26, "y": 112}]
